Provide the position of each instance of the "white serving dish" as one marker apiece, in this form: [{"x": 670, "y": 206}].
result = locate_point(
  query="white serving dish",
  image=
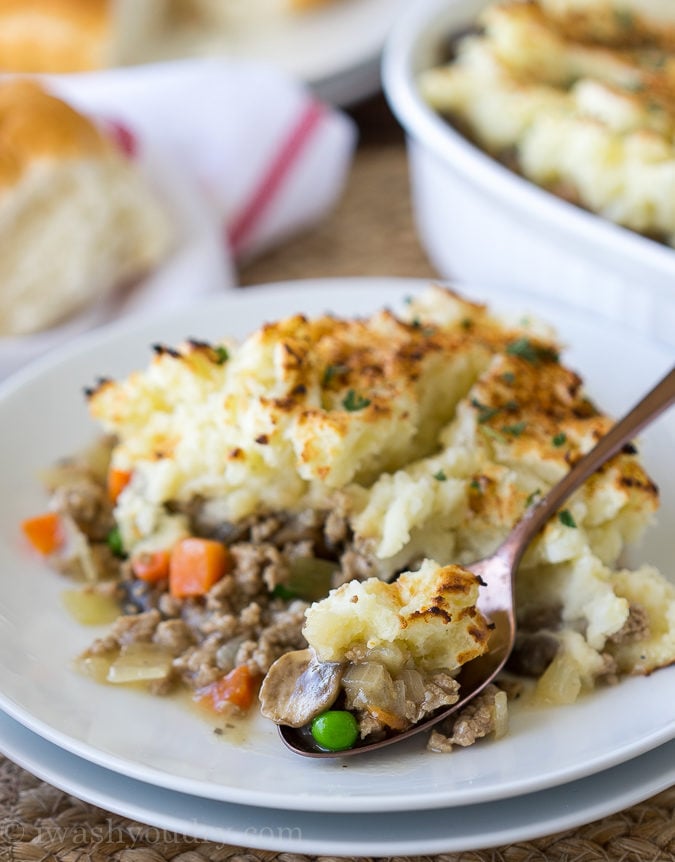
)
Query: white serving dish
[{"x": 481, "y": 223}]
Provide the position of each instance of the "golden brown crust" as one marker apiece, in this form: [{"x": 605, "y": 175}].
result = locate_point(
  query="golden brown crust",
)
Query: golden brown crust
[
  {"x": 54, "y": 35},
  {"x": 536, "y": 406},
  {"x": 35, "y": 125},
  {"x": 610, "y": 27},
  {"x": 362, "y": 367}
]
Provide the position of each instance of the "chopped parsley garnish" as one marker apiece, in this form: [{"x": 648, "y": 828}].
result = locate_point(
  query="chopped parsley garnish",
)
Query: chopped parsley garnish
[
  {"x": 427, "y": 330},
  {"x": 509, "y": 377},
  {"x": 514, "y": 430},
  {"x": 490, "y": 432},
  {"x": 440, "y": 476},
  {"x": 485, "y": 413},
  {"x": 657, "y": 60},
  {"x": 222, "y": 354},
  {"x": 466, "y": 323},
  {"x": 532, "y": 497},
  {"x": 332, "y": 371},
  {"x": 560, "y": 439},
  {"x": 352, "y": 401},
  {"x": 565, "y": 517},
  {"x": 634, "y": 86},
  {"x": 524, "y": 348},
  {"x": 283, "y": 592},
  {"x": 624, "y": 18},
  {"x": 474, "y": 484}
]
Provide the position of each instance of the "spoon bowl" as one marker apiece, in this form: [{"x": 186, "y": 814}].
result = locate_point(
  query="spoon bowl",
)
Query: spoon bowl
[{"x": 497, "y": 573}]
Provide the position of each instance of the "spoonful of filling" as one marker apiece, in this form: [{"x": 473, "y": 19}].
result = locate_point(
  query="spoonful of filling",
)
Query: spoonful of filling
[{"x": 383, "y": 657}]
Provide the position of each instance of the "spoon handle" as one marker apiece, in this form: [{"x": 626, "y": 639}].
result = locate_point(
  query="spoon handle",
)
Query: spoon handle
[{"x": 654, "y": 403}]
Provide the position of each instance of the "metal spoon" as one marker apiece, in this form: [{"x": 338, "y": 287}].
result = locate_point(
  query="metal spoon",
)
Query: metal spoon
[{"x": 496, "y": 599}]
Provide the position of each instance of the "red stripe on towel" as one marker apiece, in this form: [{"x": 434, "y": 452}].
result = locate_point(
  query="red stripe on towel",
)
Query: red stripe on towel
[
  {"x": 125, "y": 139},
  {"x": 244, "y": 222}
]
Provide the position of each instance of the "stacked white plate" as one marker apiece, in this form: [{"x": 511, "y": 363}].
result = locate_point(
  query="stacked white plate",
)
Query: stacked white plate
[{"x": 155, "y": 760}]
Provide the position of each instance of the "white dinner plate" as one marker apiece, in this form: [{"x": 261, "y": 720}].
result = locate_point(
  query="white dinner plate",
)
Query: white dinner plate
[
  {"x": 450, "y": 830},
  {"x": 160, "y": 741}
]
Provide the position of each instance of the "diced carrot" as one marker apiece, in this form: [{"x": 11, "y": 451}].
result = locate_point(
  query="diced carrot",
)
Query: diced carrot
[
  {"x": 151, "y": 567},
  {"x": 195, "y": 565},
  {"x": 44, "y": 532},
  {"x": 117, "y": 482},
  {"x": 238, "y": 688},
  {"x": 397, "y": 722}
]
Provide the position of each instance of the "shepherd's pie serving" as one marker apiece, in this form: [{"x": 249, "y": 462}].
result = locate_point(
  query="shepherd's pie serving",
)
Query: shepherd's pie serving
[{"x": 306, "y": 499}]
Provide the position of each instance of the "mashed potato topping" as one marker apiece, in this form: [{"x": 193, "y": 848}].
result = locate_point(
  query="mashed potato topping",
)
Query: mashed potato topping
[
  {"x": 588, "y": 120},
  {"x": 513, "y": 436},
  {"x": 300, "y": 409},
  {"x": 429, "y": 614},
  {"x": 615, "y": 21}
]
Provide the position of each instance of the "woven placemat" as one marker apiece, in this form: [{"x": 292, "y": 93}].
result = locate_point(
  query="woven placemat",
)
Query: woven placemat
[
  {"x": 39, "y": 822},
  {"x": 370, "y": 233}
]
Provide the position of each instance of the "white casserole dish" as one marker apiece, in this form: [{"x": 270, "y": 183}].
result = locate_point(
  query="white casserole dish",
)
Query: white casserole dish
[{"x": 481, "y": 223}]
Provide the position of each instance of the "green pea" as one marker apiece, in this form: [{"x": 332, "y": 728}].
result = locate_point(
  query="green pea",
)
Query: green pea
[
  {"x": 115, "y": 543},
  {"x": 335, "y": 730}
]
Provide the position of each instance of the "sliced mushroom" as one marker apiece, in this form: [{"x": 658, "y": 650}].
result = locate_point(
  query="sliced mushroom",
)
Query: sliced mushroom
[{"x": 298, "y": 687}]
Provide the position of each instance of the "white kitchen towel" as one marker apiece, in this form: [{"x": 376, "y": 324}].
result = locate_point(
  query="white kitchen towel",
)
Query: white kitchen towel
[{"x": 267, "y": 155}]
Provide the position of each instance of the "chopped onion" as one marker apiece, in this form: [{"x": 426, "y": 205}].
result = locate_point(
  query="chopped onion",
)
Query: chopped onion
[
  {"x": 90, "y": 608},
  {"x": 94, "y": 666},
  {"x": 561, "y": 681},
  {"x": 57, "y": 475},
  {"x": 414, "y": 684},
  {"x": 399, "y": 703},
  {"x": 227, "y": 653},
  {"x": 97, "y": 456},
  {"x": 75, "y": 558},
  {"x": 390, "y": 655},
  {"x": 94, "y": 460},
  {"x": 310, "y": 578},
  {"x": 140, "y": 662},
  {"x": 369, "y": 684}
]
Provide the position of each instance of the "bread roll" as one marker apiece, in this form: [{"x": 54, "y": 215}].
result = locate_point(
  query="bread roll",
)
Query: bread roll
[
  {"x": 76, "y": 217},
  {"x": 44, "y": 36}
]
